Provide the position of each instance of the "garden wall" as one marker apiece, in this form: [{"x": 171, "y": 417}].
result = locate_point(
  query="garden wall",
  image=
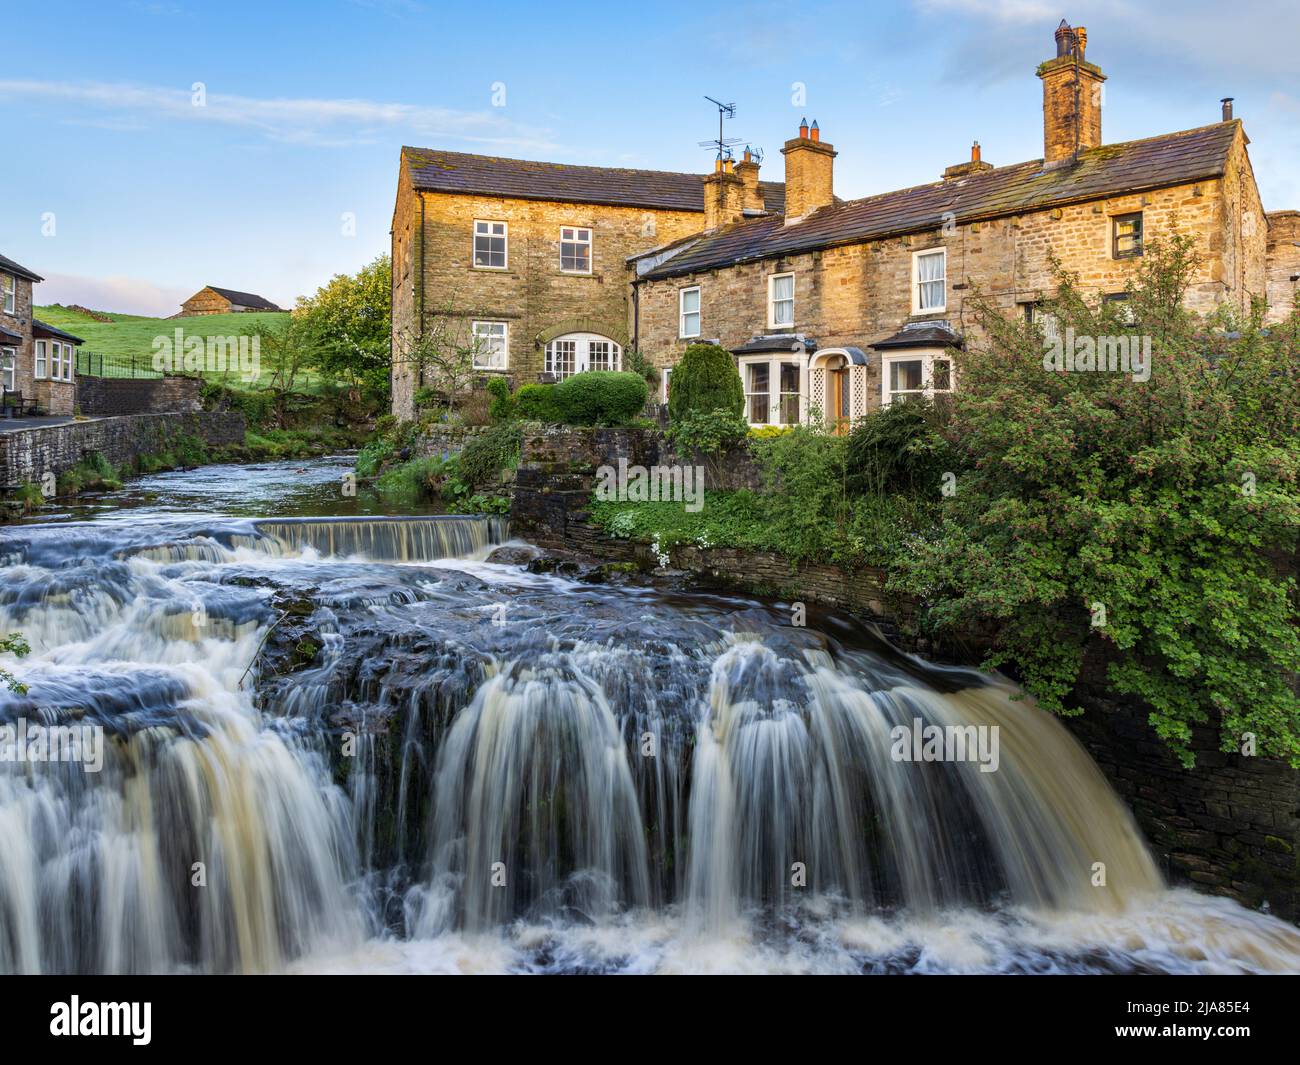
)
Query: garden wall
[
  {"x": 27, "y": 454},
  {"x": 111, "y": 396},
  {"x": 1231, "y": 826}
]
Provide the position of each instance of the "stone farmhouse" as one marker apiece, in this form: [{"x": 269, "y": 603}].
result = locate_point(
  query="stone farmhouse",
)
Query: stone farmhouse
[
  {"x": 37, "y": 361},
  {"x": 832, "y": 308},
  {"x": 213, "y": 300}
]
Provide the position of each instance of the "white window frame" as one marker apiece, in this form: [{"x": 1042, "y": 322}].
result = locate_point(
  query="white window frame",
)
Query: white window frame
[
  {"x": 927, "y": 359},
  {"x": 664, "y": 375},
  {"x": 774, "y": 362},
  {"x": 772, "y": 323},
  {"x": 473, "y": 244},
  {"x": 70, "y": 354},
  {"x": 505, "y": 340},
  {"x": 10, "y": 294},
  {"x": 581, "y": 352},
  {"x": 589, "y": 244},
  {"x": 40, "y": 361},
  {"x": 916, "y": 281},
  {"x": 8, "y": 368},
  {"x": 682, "y": 312}
]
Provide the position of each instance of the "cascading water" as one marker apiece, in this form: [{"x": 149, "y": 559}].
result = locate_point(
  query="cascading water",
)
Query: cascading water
[{"x": 441, "y": 762}]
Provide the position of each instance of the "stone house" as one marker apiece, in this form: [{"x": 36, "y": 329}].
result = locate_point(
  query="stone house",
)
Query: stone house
[
  {"x": 36, "y": 360},
  {"x": 213, "y": 300},
  {"x": 833, "y": 308},
  {"x": 526, "y": 262}
]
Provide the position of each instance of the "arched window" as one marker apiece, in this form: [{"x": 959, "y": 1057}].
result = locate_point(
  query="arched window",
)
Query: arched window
[{"x": 576, "y": 352}]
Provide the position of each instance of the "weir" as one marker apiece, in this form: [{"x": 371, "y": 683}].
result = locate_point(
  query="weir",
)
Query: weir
[{"x": 439, "y": 748}]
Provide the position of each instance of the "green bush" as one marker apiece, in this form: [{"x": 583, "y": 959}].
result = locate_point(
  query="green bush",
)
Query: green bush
[
  {"x": 897, "y": 449},
  {"x": 600, "y": 397},
  {"x": 502, "y": 407},
  {"x": 705, "y": 379},
  {"x": 536, "y": 403},
  {"x": 484, "y": 457}
]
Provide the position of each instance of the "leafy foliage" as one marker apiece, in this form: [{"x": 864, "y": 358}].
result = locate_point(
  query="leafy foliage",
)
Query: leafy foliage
[
  {"x": 1137, "y": 525},
  {"x": 536, "y": 403},
  {"x": 346, "y": 324},
  {"x": 705, "y": 380},
  {"x": 897, "y": 449},
  {"x": 502, "y": 406},
  {"x": 600, "y": 397},
  {"x": 484, "y": 457},
  {"x": 14, "y": 644}
]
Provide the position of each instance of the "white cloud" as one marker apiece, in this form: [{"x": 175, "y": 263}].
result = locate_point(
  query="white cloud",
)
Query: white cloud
[
  {"x": 124, "y": 295},
  {"x": 309, "y": 121}
]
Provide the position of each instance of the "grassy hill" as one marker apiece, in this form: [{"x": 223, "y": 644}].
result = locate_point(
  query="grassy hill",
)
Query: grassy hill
[{"x": 126, "y": 343}]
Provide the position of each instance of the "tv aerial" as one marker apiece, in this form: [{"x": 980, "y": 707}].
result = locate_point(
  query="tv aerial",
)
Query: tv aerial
[{"x": 722, "y": 145}]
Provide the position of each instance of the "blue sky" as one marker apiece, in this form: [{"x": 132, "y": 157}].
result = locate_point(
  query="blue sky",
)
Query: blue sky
[{"x": 306, "y": 105}]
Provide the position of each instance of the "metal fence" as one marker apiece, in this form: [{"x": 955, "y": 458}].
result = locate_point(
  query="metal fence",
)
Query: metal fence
[{"x": 96, "y": 364}]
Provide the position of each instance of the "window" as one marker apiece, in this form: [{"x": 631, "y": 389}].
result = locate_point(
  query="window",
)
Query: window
[
  {"x": 491, "y": 348},
  {"x": 1127, "y": 234},
  {"x": 915, "y": 375},
  {"x": 773, "y": 391},
  {"x": 929, "y": 277},
  {"x": 1045, "y": 320},
  {"x": 665, "y": 383},
  {"x": 689, "y": 301},
  {"x": 490, "y": 245},
  {"x": 575, "y": 250},
  {"x": 8, "y": 356},
  {"x": 10, "y": 293},
  {"x": 780, "y": 298},
  {"x": 1123, "y": 311},
  {"x": 40, "y": 360},
  {"x": 576, "y": 352}
]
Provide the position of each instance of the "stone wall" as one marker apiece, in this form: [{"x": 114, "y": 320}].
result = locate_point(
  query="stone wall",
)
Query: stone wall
[
  {"x": 1283, "y": 263},
  {"x": 1230, "y": 826},
  {"x": 20, "y": 323},
  {"x": 109, "y": 396},
  {"x": 27, "y": 454}
]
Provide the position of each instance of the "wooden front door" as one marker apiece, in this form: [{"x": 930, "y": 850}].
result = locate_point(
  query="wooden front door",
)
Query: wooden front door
[{"x": 838, "y": 400}]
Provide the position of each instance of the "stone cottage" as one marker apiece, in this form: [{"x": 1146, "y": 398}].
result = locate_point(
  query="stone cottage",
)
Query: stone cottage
[
  {"x": 213, "y": 300},
  {"x": 832, "y": 308},
  {"x": 37, "y": 361}
]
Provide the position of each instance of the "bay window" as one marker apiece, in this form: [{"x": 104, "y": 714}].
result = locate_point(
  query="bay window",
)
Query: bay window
[
  {"x": 915, "y": 374},
  {"x": 8, "y": 358},
  {"x": 774, "y": 390},
  {"x": 41, "y": 364}
]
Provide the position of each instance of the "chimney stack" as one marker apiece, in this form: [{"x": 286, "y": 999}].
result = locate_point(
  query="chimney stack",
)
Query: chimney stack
[
  {"x": 975, "y": 166},
  {"x": 1227, "y": 108},
  {"x": 809, "y": 164},
  {"x": 751, "y": 198},
  {"x": 1072, "y": 91},
  {"x": 723, "y": 195}
]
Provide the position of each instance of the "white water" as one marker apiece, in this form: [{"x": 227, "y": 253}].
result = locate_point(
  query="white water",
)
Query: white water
[{"x": 500, "y": 813}]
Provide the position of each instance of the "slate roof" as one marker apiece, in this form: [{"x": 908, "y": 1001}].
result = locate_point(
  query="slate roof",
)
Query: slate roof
[
  {"x": 8, "y": 337},
  {"x": 8, "y": 266},
  {"x": 931, "y": 334},
  {"x": 243, "y": 299},
  {"x": 433, "y": 170},
  {"x": 39, "y": 328},
  {"x": 1132, "y": 166}
]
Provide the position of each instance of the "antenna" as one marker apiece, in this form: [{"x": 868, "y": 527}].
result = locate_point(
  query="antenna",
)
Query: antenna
[{"x": 722, "y": 145}]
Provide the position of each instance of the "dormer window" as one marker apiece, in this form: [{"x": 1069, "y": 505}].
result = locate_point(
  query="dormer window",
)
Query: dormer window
[
  {"x": 490, "y": 245},
  {"x": 575, "y": 250}
]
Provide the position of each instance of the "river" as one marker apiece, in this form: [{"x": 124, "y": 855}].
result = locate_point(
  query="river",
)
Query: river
[{"x": 327, "y": 738}]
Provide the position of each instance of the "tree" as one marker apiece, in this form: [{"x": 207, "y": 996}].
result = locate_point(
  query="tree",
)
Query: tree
[
  {"x": 442, "y": 355},
  {"x": 1139, "y": 520},
  {"x": 347, "y": 325}
]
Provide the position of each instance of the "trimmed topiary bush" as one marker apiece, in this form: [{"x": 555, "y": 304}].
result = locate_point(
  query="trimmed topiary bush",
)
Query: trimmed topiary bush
[
  {"x": 600, "y": 397},
  {"x": 536, "y": 403},
  {"x": 705, "y": 380},
  {"x": 502, "y": 407}
]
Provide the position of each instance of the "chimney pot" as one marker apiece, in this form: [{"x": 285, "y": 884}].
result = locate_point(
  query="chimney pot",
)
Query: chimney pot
[
  {"x": 803, "y": 129},
  {"x": 815, "y": 132},
  {"x": 1064, "y": 39},
  {"x": 975, "y": 152},
  {"x": 1081, "y": 38},
  {"x": 1227, "y": 108}
]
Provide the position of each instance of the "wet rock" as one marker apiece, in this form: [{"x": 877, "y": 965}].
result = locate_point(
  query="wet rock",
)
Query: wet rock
[{"x": 514, "y": 555}]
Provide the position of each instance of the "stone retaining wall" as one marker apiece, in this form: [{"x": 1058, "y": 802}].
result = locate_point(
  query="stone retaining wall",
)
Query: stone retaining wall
[
  {"x": 112, "y": 396},
  {"x": 27, "y": 454}
]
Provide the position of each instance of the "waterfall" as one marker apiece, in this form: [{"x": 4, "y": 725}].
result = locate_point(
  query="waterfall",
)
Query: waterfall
[{"x": 353, "y": 743}]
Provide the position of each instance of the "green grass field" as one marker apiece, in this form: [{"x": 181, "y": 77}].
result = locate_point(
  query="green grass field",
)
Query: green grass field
[{"x": 127, "y": 342}]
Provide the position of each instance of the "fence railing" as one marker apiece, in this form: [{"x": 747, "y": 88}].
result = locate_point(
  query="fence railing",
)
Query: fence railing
[{"x": 97, "y": 364}]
